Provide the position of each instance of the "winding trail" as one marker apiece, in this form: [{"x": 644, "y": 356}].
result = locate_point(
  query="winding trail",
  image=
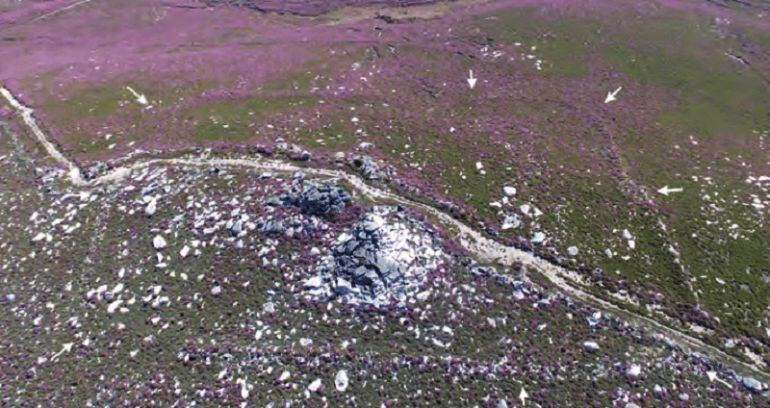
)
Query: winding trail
[
  {"x": 59, "y": 10},
  {"x": 483, "y": 248}
]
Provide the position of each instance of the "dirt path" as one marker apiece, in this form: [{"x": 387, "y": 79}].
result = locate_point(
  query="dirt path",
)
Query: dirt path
[{"x": 483, "y": 248}]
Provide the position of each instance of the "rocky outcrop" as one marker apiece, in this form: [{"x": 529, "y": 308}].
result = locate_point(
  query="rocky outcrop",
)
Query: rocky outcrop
[
  {"x": 320, "y": 199},
  {"x": 382, "y": 259}
]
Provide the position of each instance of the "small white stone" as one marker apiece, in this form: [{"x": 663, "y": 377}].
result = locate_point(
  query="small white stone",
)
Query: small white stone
[
  {"x": 152, "y": 206},
  {"x": 159, "y": 242},
  {"x": 114, "y": 306},
  {"x": 341, "y": 381},
  {"x": 510, "y": 221},
  {"x": 591, "y": 345},
  {"x": 572, "y": 251},
  {"x": 509, "y": 191},
  {"x": 315, "y": 385},
  {"x": 216, "y": 290},
  {"x": 244, "y": 388},
  {"x": 627, "y": 234},
  {"x": 538, "y": 238},
  {"x": 634, "y": 371}
]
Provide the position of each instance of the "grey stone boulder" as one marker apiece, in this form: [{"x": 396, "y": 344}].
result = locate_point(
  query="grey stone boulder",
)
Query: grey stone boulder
[
  {"x": 752, "y": 384},
  {"x": 366, "y": 166}
]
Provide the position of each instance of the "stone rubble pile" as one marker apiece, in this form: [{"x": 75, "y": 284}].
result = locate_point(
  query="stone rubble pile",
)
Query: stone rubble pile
[{"x": 319, "y": 199}]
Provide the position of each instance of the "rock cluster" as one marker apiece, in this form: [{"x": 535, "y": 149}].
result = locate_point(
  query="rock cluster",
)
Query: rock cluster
[
  {"x": 320, "y": 199},
  {"x": 383, "y": 258}
]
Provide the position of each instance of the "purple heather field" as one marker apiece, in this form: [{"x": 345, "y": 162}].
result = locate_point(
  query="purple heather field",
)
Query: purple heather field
[{"x": 487, "y": 203}]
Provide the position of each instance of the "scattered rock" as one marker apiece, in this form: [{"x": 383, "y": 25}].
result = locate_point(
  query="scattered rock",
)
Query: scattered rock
[
  {"x": 627, "y": 234},
  {"x": 634, "y": 371},
  {"x": 152, "y": 206},
  {"x": 511, "y": 221},
  {"x": 594, "y": 319},
  {"x": 159, "y": 242},
  {"x": 591, "y": 346},
  {"x": 305, "y": 342},
  {"x": 315, "y": 386},
  {"x": 480, "y": 168},
  {"x": 538, "y": 238},
  {"x": 341, "y": 381}
]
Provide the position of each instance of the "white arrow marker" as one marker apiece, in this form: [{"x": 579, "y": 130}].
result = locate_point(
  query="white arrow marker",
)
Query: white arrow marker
[
  {"x": 471, "y": 79},
  {"x": 66, "y": 347},
  {"x": 139, "y": 97},
  {"x": 665, "y": 190},
  {"x": 611, "y": 95},
  {"x": 712, "y": 376},
  {"x": 523, "y": 396}
]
